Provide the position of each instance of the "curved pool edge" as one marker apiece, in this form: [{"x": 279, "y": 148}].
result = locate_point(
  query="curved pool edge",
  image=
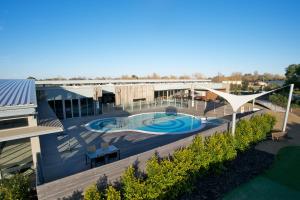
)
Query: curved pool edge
[{"x": 87, "y": 126}]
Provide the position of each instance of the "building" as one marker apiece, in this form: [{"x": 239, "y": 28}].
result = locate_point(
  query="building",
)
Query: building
[
  {"x": 29, "y": 109},
  {"x": 20, "y": 128},
  {"x": 78, "y": 98}
]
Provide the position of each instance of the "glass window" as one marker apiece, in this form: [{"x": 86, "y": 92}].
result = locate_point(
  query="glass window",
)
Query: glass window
[
  {"x": 90, "y": 106},
  {"x": 75, "y": 108},
  {"x": 68, "y": 109},
  {"x": 13, "y": 123},
  {"x": 83, "y": 105},
  {"x": 59, "y": 109},
  {"x": 51, "y": 104}
]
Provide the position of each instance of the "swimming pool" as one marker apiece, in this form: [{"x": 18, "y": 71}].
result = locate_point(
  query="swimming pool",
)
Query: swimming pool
[{"x": 153, "y": 123}]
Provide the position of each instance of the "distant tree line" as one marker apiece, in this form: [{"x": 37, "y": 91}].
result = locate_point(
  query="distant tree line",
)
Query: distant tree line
[{"x": 247, "y": 77}]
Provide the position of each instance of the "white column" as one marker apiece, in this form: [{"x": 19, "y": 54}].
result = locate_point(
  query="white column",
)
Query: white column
[
  {"x": 288, "y": 108},
  {"x": 64, "y": 108},
  {"x": 167, "y": 95},
  {"x": 32, "y": 121},
  {"x": 35, "y": 149},
  {"x": 214, "y": 106},
  {"x": 79, "y": 108},
  {"x": 233, "y": 122},
  {"x": 193, "y": 96},
  {"x": 253, "y": 103},
  {"x": 72, "y": 107}
]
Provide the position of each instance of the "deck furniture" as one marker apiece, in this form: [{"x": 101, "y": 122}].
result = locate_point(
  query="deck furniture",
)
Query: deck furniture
[
  {"x": 102, "y": 155},
  {"x": 278, "y": 135}
]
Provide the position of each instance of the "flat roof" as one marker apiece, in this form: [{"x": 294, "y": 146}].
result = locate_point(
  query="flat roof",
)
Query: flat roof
[
  {"x": 17, "y": 92},
  {"x": 67, "y": 82},
  {"x": 27, "y": 132}
]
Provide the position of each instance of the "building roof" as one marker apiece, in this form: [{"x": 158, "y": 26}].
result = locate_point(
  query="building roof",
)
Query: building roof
[
  {"x": 115, "y": 82},
  {"x": 27, "y": 132},
  {"x": 17, "y": 92}
]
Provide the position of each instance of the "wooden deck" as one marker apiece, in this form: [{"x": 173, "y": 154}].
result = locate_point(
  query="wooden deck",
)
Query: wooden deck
[{"x": 75, "y": 184}]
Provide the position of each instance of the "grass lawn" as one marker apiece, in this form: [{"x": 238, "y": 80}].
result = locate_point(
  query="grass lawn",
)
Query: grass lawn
[{"x": 282, "y": 181}]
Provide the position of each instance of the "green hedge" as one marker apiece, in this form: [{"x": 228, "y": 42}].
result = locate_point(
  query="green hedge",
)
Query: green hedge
[
  {"x": 16, "y": 187},
  {"x": 167, "y": 178}
]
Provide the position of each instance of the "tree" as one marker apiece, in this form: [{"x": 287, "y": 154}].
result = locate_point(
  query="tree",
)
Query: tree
[
  {"x": 292, "y": 74},
  {"x": 134, "y": 76},
  {"x": 31, "y": 77}
]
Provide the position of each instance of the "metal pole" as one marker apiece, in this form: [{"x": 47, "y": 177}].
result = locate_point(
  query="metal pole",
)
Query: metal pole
[
  {"x": 233, "y": 123},
  {"x": 168, "y": 97},
  {"x": 288, "y": 108},
  {"x": 181, "y": 102},
  {"x": 193, "y": 96},
  {"x": 214, "y": 106}
]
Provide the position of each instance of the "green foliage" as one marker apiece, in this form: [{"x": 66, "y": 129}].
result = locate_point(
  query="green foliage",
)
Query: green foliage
[
  {"x": 16, "y": 187},
  {"x": 243, "y": 135},
  {"x": 221, "y": 148},
  {"x": 167, "y": 178},
  {"x": 112, "y": 193},
  {"x": 292, "y": 74},
  {"x": 92, "y": 193},
  {"x": 279, "y": 99},
  {"x": 133, "y": 187}
]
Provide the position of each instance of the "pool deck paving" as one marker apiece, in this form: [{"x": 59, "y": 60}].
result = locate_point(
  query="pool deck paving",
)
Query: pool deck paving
[{"x": 64, "y": 154}]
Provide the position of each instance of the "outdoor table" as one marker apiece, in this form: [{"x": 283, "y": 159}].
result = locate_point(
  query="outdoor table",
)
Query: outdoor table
[{"x": 102, "y": 152}]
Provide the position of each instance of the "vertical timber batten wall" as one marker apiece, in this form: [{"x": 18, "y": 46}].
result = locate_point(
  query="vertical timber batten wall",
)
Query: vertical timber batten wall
[{"x": 125, "y": 95}]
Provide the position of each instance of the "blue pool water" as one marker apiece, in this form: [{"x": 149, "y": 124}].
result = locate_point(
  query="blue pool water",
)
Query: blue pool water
[{"x": 154, "y": 123}]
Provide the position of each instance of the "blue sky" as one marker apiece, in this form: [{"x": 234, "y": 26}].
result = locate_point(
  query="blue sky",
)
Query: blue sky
[{"x": 110, "y": 38}]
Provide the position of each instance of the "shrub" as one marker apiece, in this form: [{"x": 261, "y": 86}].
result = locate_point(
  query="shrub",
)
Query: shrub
[
  {"x": 16, "y": 187},
  {"x": 167, "y": 178},
  {"x": 243, "y": 135},
  {"x": 133, "y": 187},
  {"x": 92, "y": 193},
  {"x": 112, "y": 193}
]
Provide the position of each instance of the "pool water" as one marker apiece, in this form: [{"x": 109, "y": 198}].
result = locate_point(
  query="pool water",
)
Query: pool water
[{"x": 154, "y": 123}]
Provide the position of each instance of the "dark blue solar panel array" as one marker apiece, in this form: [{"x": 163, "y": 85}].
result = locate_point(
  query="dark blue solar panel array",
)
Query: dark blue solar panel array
[{"x": 17, "y": 92}]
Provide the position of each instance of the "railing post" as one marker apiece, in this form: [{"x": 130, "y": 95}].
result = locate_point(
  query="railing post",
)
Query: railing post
[
  {"x": 233, "y": 123},
  {"x": 288, "y": 108}
]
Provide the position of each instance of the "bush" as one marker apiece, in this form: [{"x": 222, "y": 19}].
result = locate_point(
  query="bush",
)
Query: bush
[
  {"x": 92, "y": 193},
  {"x": 133, "y": 187},
  {"x": 112, "y": 193},
  {"x": 243, "y": 135},
  {"x": 167, "y": 178},
  {"x": 16, "y": 187}
]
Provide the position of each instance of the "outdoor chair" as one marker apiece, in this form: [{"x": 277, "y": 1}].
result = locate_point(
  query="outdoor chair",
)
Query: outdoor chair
[{"x": 277, "y": 135}]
